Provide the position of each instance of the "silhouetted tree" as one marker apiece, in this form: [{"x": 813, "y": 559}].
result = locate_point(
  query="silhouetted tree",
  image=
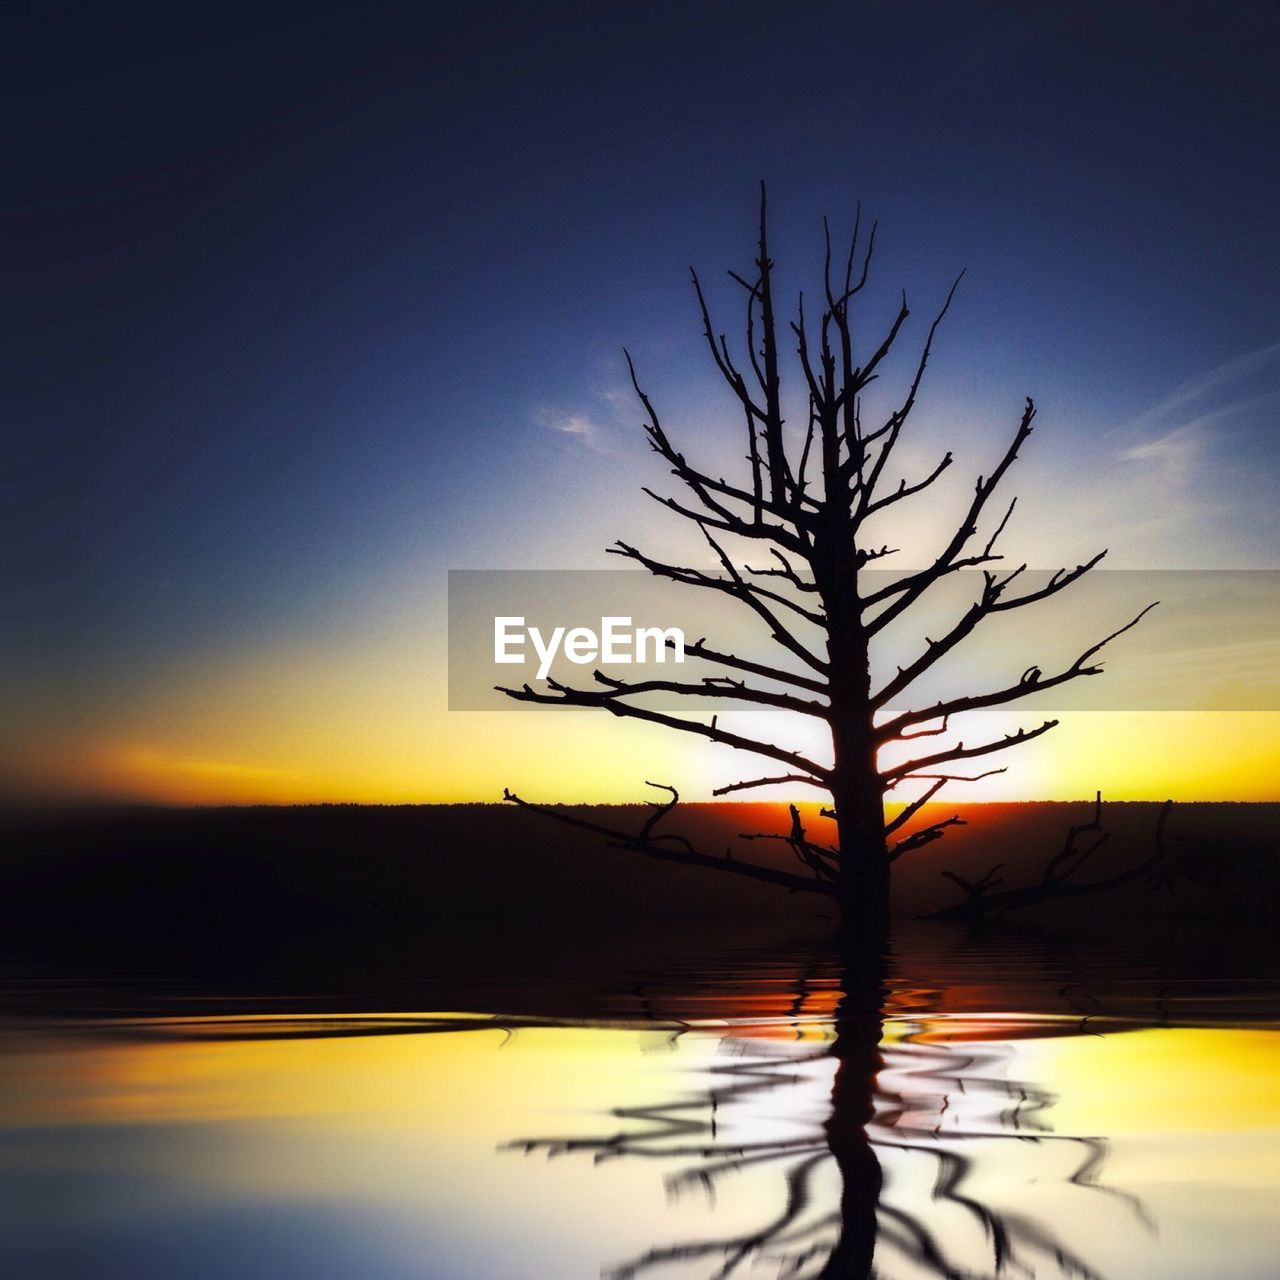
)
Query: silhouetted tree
[
  {"x": 806, "y": 502},
  {"x": 1059, "y": 878}
]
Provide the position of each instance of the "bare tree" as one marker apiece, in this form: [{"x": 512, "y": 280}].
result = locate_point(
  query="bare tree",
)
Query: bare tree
[
  {"x": 807, "y": 502},
  {"x": 985, "y": 900}
]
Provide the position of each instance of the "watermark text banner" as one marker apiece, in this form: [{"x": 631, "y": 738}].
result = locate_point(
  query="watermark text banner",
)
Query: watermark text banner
[{"x": 1212, "y": 643}]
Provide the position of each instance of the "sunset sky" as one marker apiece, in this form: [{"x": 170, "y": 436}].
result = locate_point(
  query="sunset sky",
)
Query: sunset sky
[{"x": 310, "y": 307}]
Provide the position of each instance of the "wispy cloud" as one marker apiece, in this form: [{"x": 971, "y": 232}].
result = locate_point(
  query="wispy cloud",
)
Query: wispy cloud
[
  {"x": 1192, "y": 449},
  {"x": 1177, "y": 450},
  {"x": 579, "y": 427},
  {"x": 1176, "y": 432},
  {"x": 594, "y": 425},
  {"x": 1189, "y": 397},
  {"x": 1173, "y": 454},
  {"x": 1184, "y": 482}
]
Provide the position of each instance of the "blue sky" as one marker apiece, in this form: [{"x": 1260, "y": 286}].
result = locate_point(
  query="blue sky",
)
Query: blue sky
[{"x": 306, "y": 305}]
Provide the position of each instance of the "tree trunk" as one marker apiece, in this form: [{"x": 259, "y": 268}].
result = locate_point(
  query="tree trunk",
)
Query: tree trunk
[
  {"x": 856, "y": 786},
  {"x": 864, "y": 865}
]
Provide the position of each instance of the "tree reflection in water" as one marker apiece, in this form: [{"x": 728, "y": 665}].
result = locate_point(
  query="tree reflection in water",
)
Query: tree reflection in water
[{"x": 913, "y": 1096}]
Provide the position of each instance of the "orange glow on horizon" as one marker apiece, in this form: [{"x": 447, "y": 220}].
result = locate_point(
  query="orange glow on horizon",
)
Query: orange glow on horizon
[{"x": 588, "y": 758}]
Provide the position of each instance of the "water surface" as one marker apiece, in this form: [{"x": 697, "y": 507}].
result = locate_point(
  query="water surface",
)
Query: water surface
[{"x": 970, "y": 1110}]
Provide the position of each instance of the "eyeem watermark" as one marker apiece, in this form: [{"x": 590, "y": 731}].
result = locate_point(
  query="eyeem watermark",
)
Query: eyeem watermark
[
  {"x": 1214, "y": 643},
  {"x": 617, "y": 641}
]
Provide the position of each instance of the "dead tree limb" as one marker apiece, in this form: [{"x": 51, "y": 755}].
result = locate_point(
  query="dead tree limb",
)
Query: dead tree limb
[
  {"x": 1058, "y": 879},
  {"x": 673, "y": 847}
]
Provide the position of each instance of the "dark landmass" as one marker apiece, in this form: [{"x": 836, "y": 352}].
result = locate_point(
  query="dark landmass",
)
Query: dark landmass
[{"x": 335, "y": 896}]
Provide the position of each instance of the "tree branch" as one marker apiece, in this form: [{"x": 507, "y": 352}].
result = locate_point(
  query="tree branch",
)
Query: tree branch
[
  {"x": 564, "y": 695},
  {"x": 960, "y": 752},
  {"x": 675, "y": 848},
  {"x": 1031, "y": 681},
  {"x": 1057, "y": 880}
]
